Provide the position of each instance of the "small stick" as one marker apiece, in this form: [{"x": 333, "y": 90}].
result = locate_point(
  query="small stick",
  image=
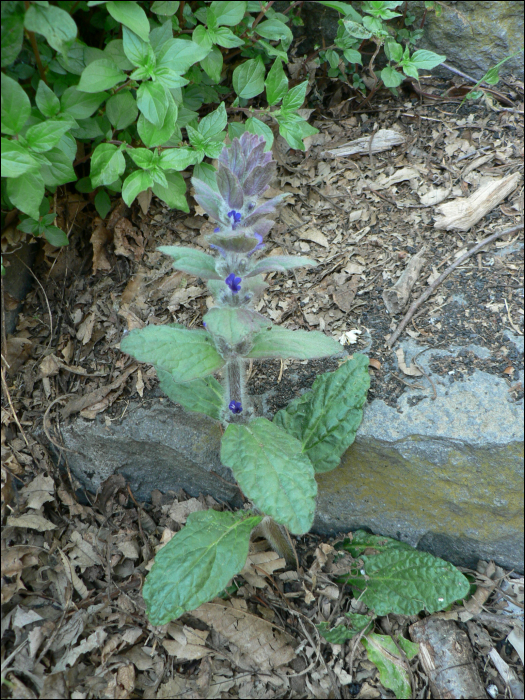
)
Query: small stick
[{"x": 413, "y": 308}]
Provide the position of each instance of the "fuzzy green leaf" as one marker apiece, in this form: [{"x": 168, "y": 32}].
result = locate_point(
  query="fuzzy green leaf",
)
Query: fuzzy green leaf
[
  {"x": 405, "y": 581},
  {"x": 192, "y": 261},
  {"x": 272, "y": 472},
  {"x": 197, "y": 563},
  {"x": 234, "y": 324},
  {"x": 201, "y": 395},
  {"x": 326, "y": 418},
  {"x": 293, "y": 345},
  {"x": 185, "y": 354},
  {"x": 280, "y": 263}
]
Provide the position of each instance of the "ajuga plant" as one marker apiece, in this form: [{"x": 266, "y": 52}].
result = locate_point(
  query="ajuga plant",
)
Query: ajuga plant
[{"x": 274, "y": 462}]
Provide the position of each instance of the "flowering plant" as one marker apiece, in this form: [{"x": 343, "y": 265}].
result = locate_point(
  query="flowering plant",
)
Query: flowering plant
[{"x": 274, "y": 462}]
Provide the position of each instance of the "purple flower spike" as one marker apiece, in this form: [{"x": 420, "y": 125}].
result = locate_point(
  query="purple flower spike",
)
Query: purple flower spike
[
  {"x": 216, "y": 230},
  {"x": 204, "y": 324},
  {"x": 235, "y": 407},
  {"x": 235, "y": 215},
  {"x": 234, "y": 283}
]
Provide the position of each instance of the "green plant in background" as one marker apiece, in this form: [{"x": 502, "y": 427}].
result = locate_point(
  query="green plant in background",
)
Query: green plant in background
[
  {"x": 491, "y": 77},
  {"x": 127, "y": 100},
  {"x": 137, "y": 105},
  {"x": 274, "y": 462},
  {"x": 355, "y": 29}
]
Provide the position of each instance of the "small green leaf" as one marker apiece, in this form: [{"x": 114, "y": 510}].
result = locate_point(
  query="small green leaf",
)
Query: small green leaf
[
  {"x": 343, "y": 7},
  {"x": 272, "y": 472},
  {"x": 134, "y": 184},
  {"x": 100, "y": 75},
  {"x": 177, "y": 158},
  {"x": 142, "y": 157},
  {"x": 152, "y": 101},
  {"x": 393, "y": 51},
  {"x": 59, "y": 167},
  {"x": 81, "y": 105},
  {"x": 55, "y": 236},
  {"x": 107, "y": 164},
  {"x": 55, "y": 24},
  {"x": 201, "y": 395},
  {"x": 121, "y": 109},
  {"x": 197, "y": 563},
  {"x": 294, "y": 129},
  {"x": 212, "y": 64},
  {"x": 115, "y": 51},
  {"x": 44, "y": 136},
  {"x": 276, "y": 83},
  {"x": 26, "y": 192},
  {"x": 248, "y": 78},
  {"x": 180, "y": 55},
  {"x": 46, "y": 100},
  {"x": 191, "y": 260},
  {"x": 356, "y": 30},
  {"x": 293, "y": 345},
  {"x": 326, "y": 418},
  {"x": 214, "y": 122},
  {"x": 228, "y": 13},
  {"x": 16, "y": 107},
  {"x": 426, "y": 59},
  {"x": 185, "y": 354},
  {"x": 393, "y": 672},
  {"x": 174, "y": 194},
  {"x": 102, "y": 203},
  {"x": 256, "y": 126},
  {"x": 353, "y": 56},
  {"x": 138, "y": 52},
  {"x": 12, "y": 36},
  {"x": 391, "y": 78},
  {"x": 226, "y": 38},
  {"x": 295, "y": 97},
  {"x": 131, "y": 15},
  {"x": 16, "y": 159},
  {"x": 362, "y": 540},
  {"x": 152, "y": 135},
  {"x": 165, "y": 8},
  {"x": 405, "y": 581},
  {"x": 342, "y": 633},
  {"x": 274, "y": 30}
]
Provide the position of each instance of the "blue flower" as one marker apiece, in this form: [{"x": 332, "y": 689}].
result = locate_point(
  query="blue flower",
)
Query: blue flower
[
  {"x": 234, "y": 283},
  {"x": 235, "y": 215},
  {"x": 235, "y": 407},
  {"x": 204, "y": 324}
]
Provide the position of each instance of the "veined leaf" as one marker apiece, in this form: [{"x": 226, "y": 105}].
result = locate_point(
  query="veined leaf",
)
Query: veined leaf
[
  {"x": 405, "y": 581},
  {"x": 197, "y": 563},
  {"x": 341, "y": 633},
  {"x": 201, "y": 395},
  {"x": 185, "y": 354},
  {"x": 326, "y": 418},
  {"x": 192, "y": 261},
  {"x": 293, "y": 345},
  {"x": 272, "y": 472},
  {"x": 234, "y": 324}
]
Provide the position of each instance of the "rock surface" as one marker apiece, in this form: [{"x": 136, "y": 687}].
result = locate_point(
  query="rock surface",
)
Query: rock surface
[{"x": 443, "y": 474}]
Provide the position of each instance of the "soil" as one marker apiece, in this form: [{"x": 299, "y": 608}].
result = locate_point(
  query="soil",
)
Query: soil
[{"x": 74, "y": 617}]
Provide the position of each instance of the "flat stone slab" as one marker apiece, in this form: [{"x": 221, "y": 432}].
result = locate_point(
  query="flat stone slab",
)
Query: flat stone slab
[{"x": 443, "y": 474}]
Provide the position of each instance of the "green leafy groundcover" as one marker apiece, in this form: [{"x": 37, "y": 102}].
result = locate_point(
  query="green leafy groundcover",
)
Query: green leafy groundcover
[{"x": 197, "y": 563}]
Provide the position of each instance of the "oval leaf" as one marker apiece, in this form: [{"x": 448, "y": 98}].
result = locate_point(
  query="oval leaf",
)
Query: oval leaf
[
  {"x": 293, "y": 345},
  {"x": 272, "y": 472},
  {"x": 185, "y": 354},
  {"x": 326, "y": 418},
  {"x": 201, "y": 395},
  {"x": 197, "y": 563}
]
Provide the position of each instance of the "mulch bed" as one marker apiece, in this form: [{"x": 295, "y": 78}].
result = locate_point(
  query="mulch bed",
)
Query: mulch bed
[{"x": 73, "y": 621}]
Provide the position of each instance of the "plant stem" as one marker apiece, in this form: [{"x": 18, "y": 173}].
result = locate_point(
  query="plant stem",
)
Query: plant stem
[{"x": 32, "y": 39}]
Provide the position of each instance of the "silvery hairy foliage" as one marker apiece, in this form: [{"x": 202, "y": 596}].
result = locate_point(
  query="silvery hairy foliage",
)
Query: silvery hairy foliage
[{"x": 274, "y": 462}]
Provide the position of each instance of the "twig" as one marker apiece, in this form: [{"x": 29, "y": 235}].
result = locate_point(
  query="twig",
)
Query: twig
[
  {"x": 4, "y": 382},
  {"x": 413, "y": 308},
  {"x": 45, "y": 297}
]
